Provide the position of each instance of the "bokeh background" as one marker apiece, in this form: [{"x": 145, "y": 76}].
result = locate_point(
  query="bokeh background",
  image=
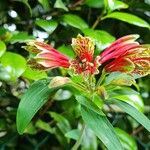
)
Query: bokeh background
[{"x": 56, "y": 22}]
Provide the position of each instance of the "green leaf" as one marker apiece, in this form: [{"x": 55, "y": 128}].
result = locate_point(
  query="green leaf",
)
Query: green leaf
[
  {"x": 119, "y": 78},
  {"x": 101, "y": 38},
  {"x": 89, "y": 141},
  {"x": 44, "y": 126},
  {"x": 34, "y": 74},
  {"x": 34, "y": 98},
  {"x": 13, "y": 65},
  {"x": 75, "y": 21},
  {"x": 30, "y": 129},
  {"x": 48, "y": 25},
  {"x": 45, "y": 4},
  {"x": 2, "y": 48},
  {"x": 115, "y": 4},
  {"x": 94, "y": 4},
  {"x": 126, "y": 140},
  {"x": 130, "y": 96},
  {"x": 62, "y": 123},
  {"x": 60, "y": 4},
  {"x": 73, "y": 134},
  {"x": 21, "y": 37},
  {"x": 102, "y": 128},
  {"x": 132, "y": 111},
  {"x": 89, "y": 104},
  {"x": 129, "y": 18},
  {"x": 67, "y": 50}
]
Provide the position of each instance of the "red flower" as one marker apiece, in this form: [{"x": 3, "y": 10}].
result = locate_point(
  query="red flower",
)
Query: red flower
[
  {"x": 126, "y": 55},
  {"x": 47, "y": 56}
]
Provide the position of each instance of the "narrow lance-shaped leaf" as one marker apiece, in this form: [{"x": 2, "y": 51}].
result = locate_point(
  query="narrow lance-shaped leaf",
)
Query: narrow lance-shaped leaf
[
  {"x": 102, "y": 128},
  {"x": 132, "y": 111},
  {"x": 34, "y": 98}
]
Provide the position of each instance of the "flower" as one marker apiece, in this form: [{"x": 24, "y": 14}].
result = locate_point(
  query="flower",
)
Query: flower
[
  {"x": 127, "y": 55},
  {"x": 124, "y": 55},
  {"x": 47, "y": 56},
  {"x": 84, "y": 49}
]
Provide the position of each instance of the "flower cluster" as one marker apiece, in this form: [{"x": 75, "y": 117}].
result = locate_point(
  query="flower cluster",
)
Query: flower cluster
[{"x": 123, "y": 55}]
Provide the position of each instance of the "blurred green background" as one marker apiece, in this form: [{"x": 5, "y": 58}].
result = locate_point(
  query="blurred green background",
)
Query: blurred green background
[{"x": 56, "y": 22}]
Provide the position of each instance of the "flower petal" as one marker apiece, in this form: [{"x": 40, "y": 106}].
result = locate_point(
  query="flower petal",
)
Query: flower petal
[{"x": 83, "y": 47}]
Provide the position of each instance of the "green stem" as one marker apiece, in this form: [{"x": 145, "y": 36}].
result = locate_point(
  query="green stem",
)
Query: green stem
[
  {"x": 78, "y": 142},
  {"x": 99, "y": 18}
]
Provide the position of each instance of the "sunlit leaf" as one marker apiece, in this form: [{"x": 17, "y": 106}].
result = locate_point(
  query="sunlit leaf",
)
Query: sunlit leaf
[
  {"x": 2, "y": 48},
  {"x": 60, "y": 4},
  {"x": 48, "y": 25},
  {"x": 13, "y": 65},
  {"x": 129, "y": 18},
  {"x": 75, "y": 21}
]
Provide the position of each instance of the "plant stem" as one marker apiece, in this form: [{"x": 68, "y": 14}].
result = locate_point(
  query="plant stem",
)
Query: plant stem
[
  {"x": 78, "y": 142},
  {"x": 97, "y": 20}
]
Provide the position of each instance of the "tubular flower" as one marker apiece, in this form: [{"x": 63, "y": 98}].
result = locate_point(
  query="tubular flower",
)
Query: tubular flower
[
  {"x": 127, "y": 55},
  {"x": 47, "y": 56}
]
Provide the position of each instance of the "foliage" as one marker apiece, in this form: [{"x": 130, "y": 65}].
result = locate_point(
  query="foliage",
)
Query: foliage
[{"x": 53, "y": 109}]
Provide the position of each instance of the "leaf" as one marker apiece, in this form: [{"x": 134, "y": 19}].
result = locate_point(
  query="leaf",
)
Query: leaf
[
  {"x": 75, "y": 21},
  {"x": 73, "y": 134},
  {"x": 94, "y": 4},
  {"x": 115, "y": 4},
  {"x": 119, "y": 78},
  {"x": 101, "y": 38},
  {"x": 13, "y": 65},
  {"x": 45, "y": 4},
  {"x": 34, "y": 98},
  {"x": 44, "y": 126},
  {"x": 21, "y": 37},
  {"x": 130, "y": 96},
  {"x": 102, "y": 128},
  {"x": 48, "y": 25},
  {"x": 62, "y": 123},
  {"x": 2, "y": 48},
  {"x": 132, "y": 111},
  {"x": 129, "y": 18},
  {"x": 126, "y": 140},
  {"x": 89, "y": 141},
  {"x": 60, "y": 4},
  {"x": 89, "y": 104},
  {"x": 34, "y": 74},
  {"x": 30, "y": 129},
  {"x": 67, "y": 50}
]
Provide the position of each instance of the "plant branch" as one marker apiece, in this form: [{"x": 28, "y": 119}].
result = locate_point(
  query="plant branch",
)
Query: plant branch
[{"x": 78, "y": 142}]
